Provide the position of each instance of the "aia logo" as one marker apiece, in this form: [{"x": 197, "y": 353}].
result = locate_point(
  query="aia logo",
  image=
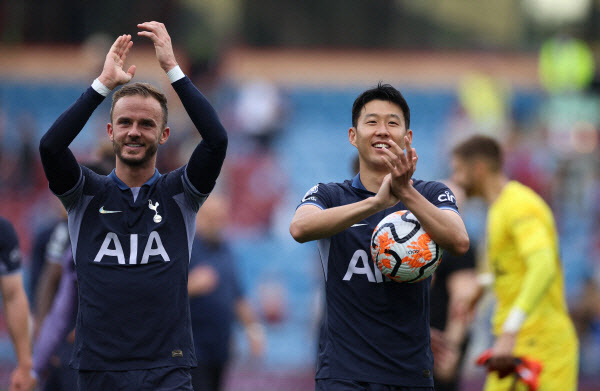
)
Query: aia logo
[{"x": 447, "y": 196}]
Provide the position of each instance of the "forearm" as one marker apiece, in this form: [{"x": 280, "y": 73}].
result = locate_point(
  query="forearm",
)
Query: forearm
[
  {"x": 445, "y": 227},
  {"x": 207, "y": 159},
  {"x": 316, "y": 224},
  {"x": 17, "y": 318},
  {"x": 59, "y": 164},
  {"x": 56, "y": 326},
  {"x": 542, "y": 267}
]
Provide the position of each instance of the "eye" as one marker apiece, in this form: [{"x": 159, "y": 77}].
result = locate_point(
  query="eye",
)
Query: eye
[{"x": 394, "y": 123}]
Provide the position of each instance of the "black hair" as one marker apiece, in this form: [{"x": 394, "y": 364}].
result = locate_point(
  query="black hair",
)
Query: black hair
[{"x": 383, "y": 92}]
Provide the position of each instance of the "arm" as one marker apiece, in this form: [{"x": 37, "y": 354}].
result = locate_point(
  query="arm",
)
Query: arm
[
  {"x": 46, "y": 291},
  {"x": 311, "y": 222},
  {"x": 60, "y": 165},
  {"x": 535, "y": 246},
  {"x": 16, "y": 308},
  {"x": 445, "y": 227},
  {"x": 254, "y": 330},
  {"x": 206, "y": 160},
  {"x": 55, "y": 327}
]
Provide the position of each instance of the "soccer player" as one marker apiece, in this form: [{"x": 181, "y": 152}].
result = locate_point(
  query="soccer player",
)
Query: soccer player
[
  {"x": 531, "y": 316},
  {"x": 16, "y": 306},
  {"x": 131, "y": 231},
  {"x": 375, "y": 335}
]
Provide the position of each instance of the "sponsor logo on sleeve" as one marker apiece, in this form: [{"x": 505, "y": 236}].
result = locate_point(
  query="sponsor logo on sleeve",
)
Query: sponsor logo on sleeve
[{"x": 307, "y": 196}]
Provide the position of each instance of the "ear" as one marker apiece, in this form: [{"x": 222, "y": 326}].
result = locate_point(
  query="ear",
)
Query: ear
[
  {"x": 409, "y": 134},
  {"x": 164, "y": 135},
  {"x": 352, "y": 135},
  {"x": 109, "y": 130}
]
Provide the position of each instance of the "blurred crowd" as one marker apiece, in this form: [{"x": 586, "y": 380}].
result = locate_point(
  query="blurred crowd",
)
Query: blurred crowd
[{"x": 552, "y": 142}]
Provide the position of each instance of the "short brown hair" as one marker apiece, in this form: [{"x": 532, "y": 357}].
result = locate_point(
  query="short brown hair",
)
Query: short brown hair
[
  {"x": 146, "y": 90},
  {"x": 482, "y": 147}
]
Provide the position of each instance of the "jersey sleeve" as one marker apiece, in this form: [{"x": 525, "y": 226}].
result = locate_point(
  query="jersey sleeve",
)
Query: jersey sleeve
[
  {"x": 207, "y": 159},
  {"x": 440, "y": 195},
  {"x": 318, "y": 195},
  {"x": 10, "y": 254},
  {"x": 536, "y": 246},
  {"x": 60, "y": 166}
]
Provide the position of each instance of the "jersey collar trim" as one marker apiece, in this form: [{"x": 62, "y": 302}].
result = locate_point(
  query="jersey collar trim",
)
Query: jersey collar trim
[
  {"x": 357, "y": 183},
  {"x": 122, "y": 184}
]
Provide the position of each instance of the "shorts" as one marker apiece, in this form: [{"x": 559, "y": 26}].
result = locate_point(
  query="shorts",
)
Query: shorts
[
  {"x": 155, "y": 379},
  {"x": 352, "y": 385}
]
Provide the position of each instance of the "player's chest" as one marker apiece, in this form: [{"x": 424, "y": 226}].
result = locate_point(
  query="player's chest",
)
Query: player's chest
[{"x": 118, "y": 211}]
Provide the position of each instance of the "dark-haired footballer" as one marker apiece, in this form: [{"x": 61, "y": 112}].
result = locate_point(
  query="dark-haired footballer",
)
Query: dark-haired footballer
[
  {"x": 131, "y": 231},
  {"x": 375, "y": 333}
]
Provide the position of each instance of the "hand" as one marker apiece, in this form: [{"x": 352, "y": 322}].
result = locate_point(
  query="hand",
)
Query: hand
[
  {"x": 446, "y": 356},
  {"x": 402, "y": 165},
  {"x": 503, "y": 359},
  {"x": 256, "y": 338},
  {"x": 202, "y": 280},
  {"x": 384, "y": 196},
  {"x": 157, "y": 32},
  {"x": 21, "y": 380},
  {"x": 113, "y": 74}
]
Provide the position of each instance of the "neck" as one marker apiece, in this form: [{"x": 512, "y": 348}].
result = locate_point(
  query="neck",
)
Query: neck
[
  {"x": 134, "y": 176},
  {"x": 492, "y": 187},
  {"x": 372, "y": 180}
]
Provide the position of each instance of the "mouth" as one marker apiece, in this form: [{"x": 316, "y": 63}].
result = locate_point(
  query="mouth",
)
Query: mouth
[{"x": 381, "y": 146}]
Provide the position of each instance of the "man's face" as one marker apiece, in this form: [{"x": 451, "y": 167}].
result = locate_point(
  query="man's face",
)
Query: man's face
[
  {"x": 136, "y": 129},
  {"x": 379, "y": 122},
  {"x": 463, "y": 174}
]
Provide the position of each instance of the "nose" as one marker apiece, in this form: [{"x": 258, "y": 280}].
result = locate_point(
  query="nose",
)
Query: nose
[
  {"x": 134, "y": 130},
  {"x": 382, "y": 130}
]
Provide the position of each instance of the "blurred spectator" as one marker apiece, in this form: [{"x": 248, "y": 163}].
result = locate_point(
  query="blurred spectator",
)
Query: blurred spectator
[
  {"x": 259, "y": 112},
  {"x": 216, "y": 298}
]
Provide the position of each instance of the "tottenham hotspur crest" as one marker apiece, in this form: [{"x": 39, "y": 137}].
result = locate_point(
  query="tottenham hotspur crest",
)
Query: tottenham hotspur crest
[{"x": 157, "y": 218}]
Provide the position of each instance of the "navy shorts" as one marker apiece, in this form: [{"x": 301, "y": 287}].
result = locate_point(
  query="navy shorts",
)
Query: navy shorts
[
  {"x": 155, "y": 379},
  {"x": 351, "y": 385}
]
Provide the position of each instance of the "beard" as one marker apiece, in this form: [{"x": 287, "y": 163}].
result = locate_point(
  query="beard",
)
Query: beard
[{"x": 135, "y": 161}]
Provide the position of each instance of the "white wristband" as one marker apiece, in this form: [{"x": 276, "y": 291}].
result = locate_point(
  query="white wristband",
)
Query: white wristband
[
  {"x": 100, "y": 88},
  {"x": 514, "y": 320},
  {"x": 175, "y": 74}
]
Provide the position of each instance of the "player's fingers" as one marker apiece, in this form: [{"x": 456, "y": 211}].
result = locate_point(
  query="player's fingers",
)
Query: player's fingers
[
  {"x": 126, "y": 49},
  {"x": 131, "y": 71},
  {"x": 150, "y": 35}
]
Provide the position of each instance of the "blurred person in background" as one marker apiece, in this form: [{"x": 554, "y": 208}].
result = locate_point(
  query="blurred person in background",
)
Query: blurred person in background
[
  {"x": 133, "y": 328},
  {"x": 375, "y": 334},
  {"x": 531, "y": 318},
  {"x": 216, "y": 298},
  {"x": 16, "y": 307},
  {"x": 453, "y": 285}
]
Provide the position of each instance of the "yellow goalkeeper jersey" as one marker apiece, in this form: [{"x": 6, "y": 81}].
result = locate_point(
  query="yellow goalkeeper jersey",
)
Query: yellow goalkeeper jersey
[{"x": 524, "y": 257}]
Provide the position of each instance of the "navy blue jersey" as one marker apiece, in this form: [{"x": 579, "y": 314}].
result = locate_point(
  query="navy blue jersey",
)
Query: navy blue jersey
[
  {"x": 132, "y": 257},
  {"x": 213, "y": 314},
  {"x": 374, "y": 330},
  {"x": 10, "y": 255}
]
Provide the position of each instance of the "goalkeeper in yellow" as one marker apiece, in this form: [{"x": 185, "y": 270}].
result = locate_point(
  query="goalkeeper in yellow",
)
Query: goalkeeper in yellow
[{"x": 531, "y": 319}]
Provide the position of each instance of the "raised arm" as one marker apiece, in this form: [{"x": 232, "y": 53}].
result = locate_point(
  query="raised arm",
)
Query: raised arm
[
  {"x": 445, "y": 227},
  {"x": 60, "y": 166},
  {"x": 206, "y": 160}
]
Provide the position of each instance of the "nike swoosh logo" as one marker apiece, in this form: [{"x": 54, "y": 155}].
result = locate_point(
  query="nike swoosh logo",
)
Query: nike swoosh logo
[
  {"x": 357, "y": 225},
  {"x": 104, "y": 211}
]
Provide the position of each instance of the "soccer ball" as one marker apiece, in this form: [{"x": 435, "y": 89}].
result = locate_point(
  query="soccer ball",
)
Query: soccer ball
[{"x": 402, "y": 250}]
